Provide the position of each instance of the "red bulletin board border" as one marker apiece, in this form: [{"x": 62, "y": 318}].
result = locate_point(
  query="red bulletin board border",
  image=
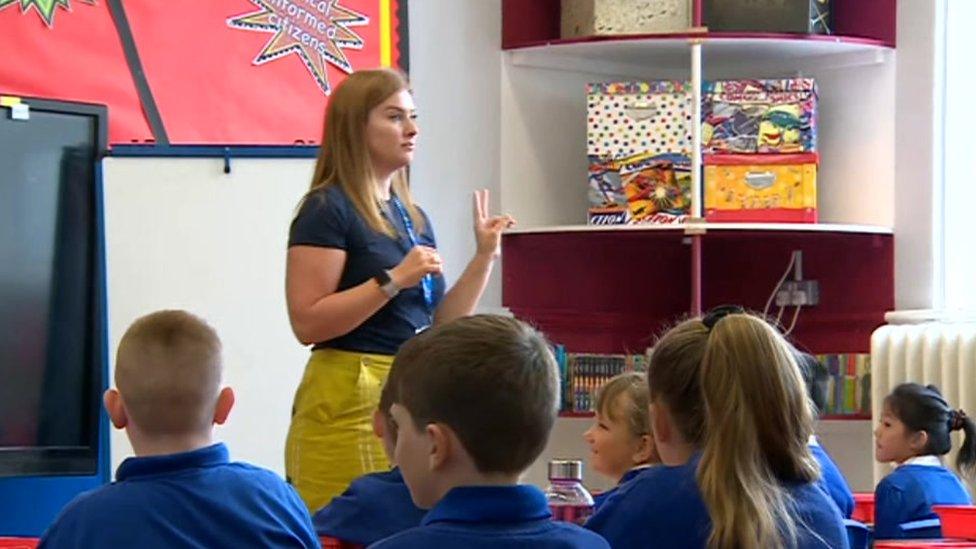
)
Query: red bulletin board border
[{"x": 186, "y": 73}]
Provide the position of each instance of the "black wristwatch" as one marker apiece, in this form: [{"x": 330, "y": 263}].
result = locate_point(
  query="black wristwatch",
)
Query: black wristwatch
[{"x": 386, "y": 284}]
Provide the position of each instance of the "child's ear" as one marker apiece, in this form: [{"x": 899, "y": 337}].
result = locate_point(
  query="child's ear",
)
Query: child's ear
[
  {"x": 919, "y": 441},
  {"x": 645, "y": 450},
  {"x": 441, "y": 441},
  {"x": 115, "y": 408},
  {"x": 379, "y": 423},
  {"x": 660, "y": 425},
  {"x": 225, "y": 401}
]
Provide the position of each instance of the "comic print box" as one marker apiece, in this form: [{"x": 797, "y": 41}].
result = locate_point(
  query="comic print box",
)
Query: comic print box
[
  {"x": 796, "y": 16},
  {"x": 759, "y": 116},
  {"x": 638, "y": 148},
  {"x": 769, "y": 188}
]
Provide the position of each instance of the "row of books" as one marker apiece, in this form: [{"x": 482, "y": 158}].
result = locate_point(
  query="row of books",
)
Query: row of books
[
  {"x": 841, "y": 384},
  {"x": 582, "y": 374}
]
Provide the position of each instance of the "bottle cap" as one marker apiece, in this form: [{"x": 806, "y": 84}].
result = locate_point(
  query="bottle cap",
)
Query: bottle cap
[{"x": 565, "y": 469}]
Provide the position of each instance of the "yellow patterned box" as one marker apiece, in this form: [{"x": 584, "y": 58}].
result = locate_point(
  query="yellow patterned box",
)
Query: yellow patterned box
[{"x": 766, "y": 188}]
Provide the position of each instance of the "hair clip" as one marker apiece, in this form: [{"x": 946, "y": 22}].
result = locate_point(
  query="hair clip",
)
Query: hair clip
[
  {"x": 720, "y": 312},
  {"x": 957, "y": 420}
]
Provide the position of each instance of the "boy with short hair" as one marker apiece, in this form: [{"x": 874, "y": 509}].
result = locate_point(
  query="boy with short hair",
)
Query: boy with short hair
[
  {"x": 181, "y": 489},
  {"x": 376, "y": 505},
  {"x": 474, "y": 402}
]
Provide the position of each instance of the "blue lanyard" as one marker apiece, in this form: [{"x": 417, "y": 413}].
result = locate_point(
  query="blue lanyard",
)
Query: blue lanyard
[{"x": 427, "y": 282}]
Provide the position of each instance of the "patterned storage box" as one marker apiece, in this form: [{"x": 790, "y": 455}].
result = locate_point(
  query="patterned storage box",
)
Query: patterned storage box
[
  {"x": 772, "y": 188},
  {"x": 596, "y": 17},
  {"x": 638, "y": 145},
  {"x": 764, "y": 116}
]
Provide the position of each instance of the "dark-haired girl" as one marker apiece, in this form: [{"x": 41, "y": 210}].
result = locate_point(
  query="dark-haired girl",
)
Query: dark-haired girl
[{"x": 913, "y": 432}]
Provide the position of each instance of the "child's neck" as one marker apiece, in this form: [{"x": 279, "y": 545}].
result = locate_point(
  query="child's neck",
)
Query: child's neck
[
  {"x": 145, "y": 445},
  {"x": 472, "y": 477},
  {"x": 677, "y": 453}
]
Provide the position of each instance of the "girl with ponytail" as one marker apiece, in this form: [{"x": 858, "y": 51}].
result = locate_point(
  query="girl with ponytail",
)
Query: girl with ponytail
[
  {"x": 731, "y": 420},
  {"x": 913, "y": 432}
]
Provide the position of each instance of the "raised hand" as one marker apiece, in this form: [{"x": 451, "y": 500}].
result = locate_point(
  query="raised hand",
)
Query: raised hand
[{"x": 488, "y": 229}]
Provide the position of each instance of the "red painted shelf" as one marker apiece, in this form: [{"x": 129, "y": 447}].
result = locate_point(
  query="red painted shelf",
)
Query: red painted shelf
[
  {"x": 534, "y": 22},
  {"x": 706, "y": 36},
  {"x": 826, "y": 417},
  {"x": 576, "y": 414},
  {"x": 613, "y": 291},
  {"x": 845, "y": 417}
]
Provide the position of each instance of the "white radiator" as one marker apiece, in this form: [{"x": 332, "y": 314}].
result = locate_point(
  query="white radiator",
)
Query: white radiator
[{"x": 929, "y": 348}]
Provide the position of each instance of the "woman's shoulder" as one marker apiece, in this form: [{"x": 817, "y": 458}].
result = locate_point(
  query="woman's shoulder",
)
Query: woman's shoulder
[
  {"x": 330, "y": 201},
  {"x": 328, "y": 194}
]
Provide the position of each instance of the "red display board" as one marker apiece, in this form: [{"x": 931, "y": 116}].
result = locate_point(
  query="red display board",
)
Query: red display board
[{"x": 186, "y": 72}]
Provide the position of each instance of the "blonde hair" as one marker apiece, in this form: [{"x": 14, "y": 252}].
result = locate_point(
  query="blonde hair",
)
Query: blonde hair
[
  {"x": 168, "y": 371},
  {"x": 625, "y": 398},
  {"x": 344, "y": 159},
  {"x": 756, "y": 420}
]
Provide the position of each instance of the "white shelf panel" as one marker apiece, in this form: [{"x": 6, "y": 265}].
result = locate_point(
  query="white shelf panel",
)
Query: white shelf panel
[
  {"x": 697, "y": 227},
  {"x": 621, "y": 56}
]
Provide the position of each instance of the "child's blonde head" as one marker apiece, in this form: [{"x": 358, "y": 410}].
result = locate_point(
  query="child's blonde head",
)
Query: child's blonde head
[
  {"x": 624, "y": 399},
  {"x": 168, "y": 370},
  {"x": 732, "y": 384}
]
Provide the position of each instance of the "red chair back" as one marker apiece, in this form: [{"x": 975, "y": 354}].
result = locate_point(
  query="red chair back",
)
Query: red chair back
[
  {"x": 958, "y": 521},
  {"x": 924, "y": 544},
  {"x": 19, "y": 543},
  {"x": 333, "y": 543},
  {"x": 863, "y": 507}
]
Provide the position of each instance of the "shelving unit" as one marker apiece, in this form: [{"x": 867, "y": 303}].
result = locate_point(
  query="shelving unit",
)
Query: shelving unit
[
  {"x": 610, "y": 289},
  {"x": 826, "y": 417}
]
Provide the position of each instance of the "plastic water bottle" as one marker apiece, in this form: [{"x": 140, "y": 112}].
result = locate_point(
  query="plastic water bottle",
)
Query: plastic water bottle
[{"x": 568, "y": 499}]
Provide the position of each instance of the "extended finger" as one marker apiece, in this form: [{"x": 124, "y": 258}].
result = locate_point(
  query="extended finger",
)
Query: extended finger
[
  {"x": 476, "y": 207},
  {"x": 485, "y": 202}
]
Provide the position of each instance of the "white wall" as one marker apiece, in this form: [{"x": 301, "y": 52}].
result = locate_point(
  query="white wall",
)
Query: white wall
[
  {"x": 918, "y": 156},
  {"x": 182, "y": 234},
  {"x": 455, "y": 60},
  {"x": 960, "y": 162}
]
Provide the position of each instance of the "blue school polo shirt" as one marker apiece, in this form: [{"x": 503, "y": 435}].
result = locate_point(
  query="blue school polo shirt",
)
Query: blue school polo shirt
[
  {"x": 903, "y": 500},
  {"x": 628, "y": 476},
  {"x": 663, "y": 508},
  {"x": 492, "y": 517},
  {"x": 328, "y": 219},
  {"x": 191, "y": 499},
  {"x": 832, "y": 481},
  {"x": 375, "y": 506}
]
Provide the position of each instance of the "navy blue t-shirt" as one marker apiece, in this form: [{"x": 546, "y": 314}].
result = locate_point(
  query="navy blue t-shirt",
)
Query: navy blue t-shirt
[
  {"x": 832, "y": 481},
  {"x": 375, "y": 506},
  {"x": 903, "y": 501},
  {"x": 493, "y": 517},
  {"x": 662, "y": 507},
  {"x": 191, "y": 499},
  {"x": 328, "y": 219}
]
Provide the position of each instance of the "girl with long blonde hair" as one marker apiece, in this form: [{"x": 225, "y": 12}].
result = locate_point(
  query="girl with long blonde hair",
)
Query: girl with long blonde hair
[{"x": 731, "y": 422}]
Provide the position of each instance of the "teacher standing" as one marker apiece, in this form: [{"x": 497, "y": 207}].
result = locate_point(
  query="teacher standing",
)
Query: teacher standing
[{"x": 363, "y": 276}]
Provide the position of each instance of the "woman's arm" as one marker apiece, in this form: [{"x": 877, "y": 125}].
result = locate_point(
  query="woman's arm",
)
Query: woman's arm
[
  {"x": 318, "y": 312},
  {"x": 463, "y": 297}
]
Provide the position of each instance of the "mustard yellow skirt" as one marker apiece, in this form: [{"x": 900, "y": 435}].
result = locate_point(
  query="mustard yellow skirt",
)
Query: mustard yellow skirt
[{"x": 330, "y": 440}]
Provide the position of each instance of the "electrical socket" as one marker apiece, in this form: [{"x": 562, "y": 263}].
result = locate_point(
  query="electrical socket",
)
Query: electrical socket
[{"x": 794, "y": 293}]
